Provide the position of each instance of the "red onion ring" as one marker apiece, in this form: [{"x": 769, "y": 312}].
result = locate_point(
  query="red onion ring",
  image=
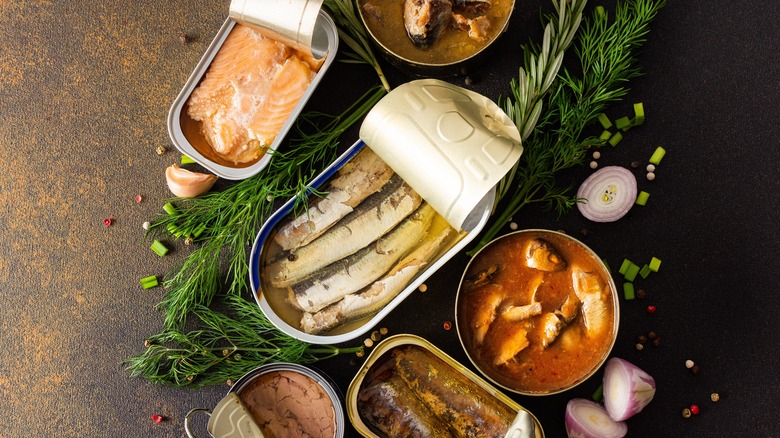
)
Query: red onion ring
[{"x": 609, "y": 193}]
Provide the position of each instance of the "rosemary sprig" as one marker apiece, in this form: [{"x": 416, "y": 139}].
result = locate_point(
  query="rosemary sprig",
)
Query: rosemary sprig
[
  {"x": 229, "y": 219},
  {"x": 608, "y": 59},
  {"x": 223, "y": 350},
  {"x": 354, "y": 34}
]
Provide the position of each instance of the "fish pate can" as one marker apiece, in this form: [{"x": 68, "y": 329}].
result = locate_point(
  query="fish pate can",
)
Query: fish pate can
[
  {"x": 405, "y": 364},
  {"x": 287, "y": 399},
  {"x": 204, "y": 144}
]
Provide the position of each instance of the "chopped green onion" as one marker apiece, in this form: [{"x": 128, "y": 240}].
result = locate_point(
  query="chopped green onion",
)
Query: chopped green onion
[
  {"x": 606, "y": 265},
  {"x": 159, "y": 248},
  {"x": 657, "y": 155},
  {"x": 645, "y": 271},
  {"x": 639, "y": 114},
  {"x": 598, "y": 394},
  {"x": 170, "y": 209},
  {"x": 631, "y": 272},
  {"x": 199, "y": 229},
  {"x": 642, "y": 197},
  {"x": 628, "y": 290},
  {"x": 186, "y": 160},
  {"x": 605, "y": 135},
  {"x": 615, "y": 139},
  {"x": 623, "y": 123},
  {"x": 624, "y": 266},
  {"x": 149, "y": 282},
  {"x": 654, "y": 264},
  {"x": 604, "y": 120}
]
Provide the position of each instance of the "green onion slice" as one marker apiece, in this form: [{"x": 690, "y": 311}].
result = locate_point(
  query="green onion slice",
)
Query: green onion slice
[
  {"x": 186, "y": 160},
  {"x": 609, "y": 193},
  {"x": 159, "y": 248},
  {"x": 654, "y": 264},
  {"x": 658, "y": 154},
  {"x": 642, "y": 198},
  {"x": 149, "y": 282},
  {"x": 628, "y": 291}
]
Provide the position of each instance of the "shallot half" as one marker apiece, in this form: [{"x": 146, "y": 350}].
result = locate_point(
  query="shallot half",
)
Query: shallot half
[
  {"x": 587, "y": 419},
  {"x": 608, "y": 194},
  {"x": 627, "y": 389}
]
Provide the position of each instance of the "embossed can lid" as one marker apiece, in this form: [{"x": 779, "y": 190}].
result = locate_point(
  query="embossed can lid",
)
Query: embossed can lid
[
  {"x": 450, "y": 144},
  {"x": 291, "y": 22}
]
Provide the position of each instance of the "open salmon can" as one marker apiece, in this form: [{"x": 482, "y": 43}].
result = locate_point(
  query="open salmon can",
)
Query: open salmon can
[
  {"x": 281, "y": 399},
  {"x": 384, "y": 216},
  {"x": 408, "y": 385},
  {"x": 249, "y": 88},
  {"x": 537, "y": 312}
]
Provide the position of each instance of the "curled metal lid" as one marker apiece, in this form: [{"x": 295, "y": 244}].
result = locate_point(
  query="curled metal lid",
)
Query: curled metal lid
[
  {"x": 450, "y": 144},
  {"x": 291, "y": 22}
]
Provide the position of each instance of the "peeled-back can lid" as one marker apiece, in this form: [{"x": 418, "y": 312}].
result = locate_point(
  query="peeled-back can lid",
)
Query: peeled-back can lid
[
  {"x": 451, "y": 145},
  {"x": 231, "y": 419},
  {"x": 291, "y": 22}
]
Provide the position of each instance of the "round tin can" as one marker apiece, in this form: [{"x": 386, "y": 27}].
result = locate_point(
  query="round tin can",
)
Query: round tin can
[{"x": 296, "y": 391}]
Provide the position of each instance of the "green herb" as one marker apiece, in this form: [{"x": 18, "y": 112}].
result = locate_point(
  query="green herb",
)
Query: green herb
[
  {"x": 658, "y": 154},
  {"x": 642, "y": 198},
  {"x": 598, "y": 393},
  {"x": 607, "y": 53},
  {"x": 149, "y": 282},
  {"x": 226, "y": 221},
  {"x": 224, "y": 349},
  {"x": 159, "y": 248},
  {"x": 354, "y": 34}
]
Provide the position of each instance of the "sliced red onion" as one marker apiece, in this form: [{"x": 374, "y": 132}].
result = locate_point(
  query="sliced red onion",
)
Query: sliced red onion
[
  {"x": 587, "y": 419},
  {"x": 627, "y": 389},
  {"x": 610, "y": 193}
]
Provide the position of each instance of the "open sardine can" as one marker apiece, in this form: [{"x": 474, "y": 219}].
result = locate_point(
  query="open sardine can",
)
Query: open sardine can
[
  {"x": 251, "y": 84},
  {"x": 407, "y": 382},
  {"x": 280, "y": 399},
  {"x": 385, "y": 215},
  {"x": 537, "y": 312}
]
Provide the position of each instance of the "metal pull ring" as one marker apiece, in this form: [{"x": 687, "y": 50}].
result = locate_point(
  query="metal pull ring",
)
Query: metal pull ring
[{"x": 190, "y": 414}]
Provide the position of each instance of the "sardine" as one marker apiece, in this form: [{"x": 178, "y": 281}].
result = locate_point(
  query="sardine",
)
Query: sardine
[
  {"x": 477, "y": 28},
  {"x": 591, "y": 291},
  {"x": 480, "y": 278},
  {"x": 518, "y": 313},
  {"x": 393, "y": 408},
  {"x": 468, "y": 409},
  {"x": 374, "y": 297},
  {"x": 360, "y": 269},
  {"x": 541, "y": 255},
  {"x": 515, "y": 340},
  {"x": 554, "y": 322},
  {"x": 490, "y": 298},
  {"x": 360, "y": 177},
  {"x": 426, "y": 20},
  {"x": 375, "y": 216}
]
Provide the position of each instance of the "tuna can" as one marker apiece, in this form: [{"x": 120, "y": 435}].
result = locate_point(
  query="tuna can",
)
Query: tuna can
[
  {"x": 329, "y": 274},
  {"x": 553, "y": 328},
  {"x": 187, "y": 134},
  {"x": 278, "y": 396},
  {"x": 405, "y": 364}
]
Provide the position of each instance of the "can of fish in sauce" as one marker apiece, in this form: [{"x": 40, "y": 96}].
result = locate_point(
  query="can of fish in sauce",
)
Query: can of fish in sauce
[
  {"x": 281, "y": 399},
  {"x": 220, "y": 117},
  {"x": 405, "y": 379}
]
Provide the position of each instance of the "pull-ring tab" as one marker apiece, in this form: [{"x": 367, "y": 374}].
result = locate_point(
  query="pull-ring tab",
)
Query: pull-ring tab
[{"x": 189, "y": 415}]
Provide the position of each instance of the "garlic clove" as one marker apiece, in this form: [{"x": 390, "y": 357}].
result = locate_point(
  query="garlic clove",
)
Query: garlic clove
[{"x": 186, "y": 184}]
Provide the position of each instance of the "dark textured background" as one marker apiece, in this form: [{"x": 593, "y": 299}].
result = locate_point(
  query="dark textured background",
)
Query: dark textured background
[{"x": 85, "y": 88}]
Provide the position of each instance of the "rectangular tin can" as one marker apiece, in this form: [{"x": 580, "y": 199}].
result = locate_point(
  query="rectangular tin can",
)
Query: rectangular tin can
[
  {"x": 379, "y": 364},
  {"x": 272, "y": 301},
  {"x": 185, "y": 133}
]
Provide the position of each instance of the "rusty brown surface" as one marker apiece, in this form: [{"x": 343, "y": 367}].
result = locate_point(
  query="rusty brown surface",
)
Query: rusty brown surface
[{"x": 85, "y": 88}]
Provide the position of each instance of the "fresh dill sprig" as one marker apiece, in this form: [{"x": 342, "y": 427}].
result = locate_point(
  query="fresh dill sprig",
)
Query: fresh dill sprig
[
  {"x": 228, "y": 220},
  {"x": 608, "y": 58},
  {"x": 224, "y": 349},
  {"x": 355, "y": 35}
]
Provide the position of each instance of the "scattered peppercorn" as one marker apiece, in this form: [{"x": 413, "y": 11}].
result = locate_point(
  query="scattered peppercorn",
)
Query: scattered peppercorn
[
  {"x": 138, "y": 199},
  {"x": 641, "y": 294},
  {"x": 695, "y": 409},
  {"x": 157, "y": 418},
  {"x": 643, "y": 339},
  {"x": 146, "y": 225},
  {"x": 650, "y": 168},
  {"x": 383, "y": 331},
  {"x": 160, "y": 150},
  {"x": 585, "y": 232},
  {"x": 447, "y": 325},
  {"x": 513, "y": 226},
  {"x": 108, "y": 221},
  {"x": 651, "y": 309},
  {"x": 689, "y": 364},
  {"x": 695, "y": 369},
  {"x": 715, "y": 397},
  {"x": 360, "y": 353},
  {"x": 229, "y": 382},
  {"x": 686, "y": 413},
  {"x": 368, "y": 343},
  {"x": 656, "y": 342},
  {"x": 651, "y": 335},
  {"x": 640, "y": 347},
  {"x": 635, "y": 164},
  {"x": 596, "y": 155},
  {"x": 594, "y": 164},
  {"x": 375, "y": 336},
  {"x": 468, "y": 81},
  {"x": 650, "y": 176},
  {"x": 269, "y": 198},
  {"x": 423, "y": 287}
]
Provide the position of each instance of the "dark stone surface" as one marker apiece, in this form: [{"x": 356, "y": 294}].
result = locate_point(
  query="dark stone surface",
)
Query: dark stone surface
[{"x": 85, "y": 88}]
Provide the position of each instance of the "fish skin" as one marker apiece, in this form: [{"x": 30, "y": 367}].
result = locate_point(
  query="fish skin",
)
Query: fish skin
[
  {"x": 592, "y": 293},
  {"x": 360, "y": 269},
  {"x": 375, "y": 216},
  {"x": 374, "y": 297},
  {"x": 519, "y": 313},
  {"x": 426, "y": 20},
  {"x": 362, "y": 176},
  {"x": 515, "y": 340},
  {"x": 555, "y": 322}
]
